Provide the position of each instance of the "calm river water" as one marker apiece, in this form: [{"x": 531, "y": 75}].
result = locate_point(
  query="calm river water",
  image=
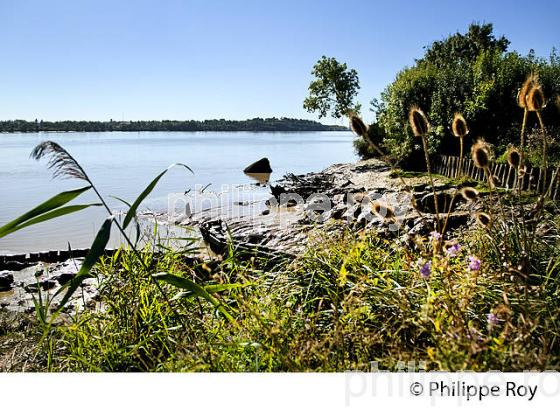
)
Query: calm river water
[{"x": 123, "y": 163}]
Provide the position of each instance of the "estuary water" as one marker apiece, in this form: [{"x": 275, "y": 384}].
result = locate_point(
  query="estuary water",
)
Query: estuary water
[{"x": 122, "y": 164}]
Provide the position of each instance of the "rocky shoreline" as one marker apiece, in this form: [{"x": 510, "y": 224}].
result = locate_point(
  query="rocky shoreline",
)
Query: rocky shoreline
[
  {"x": 277, "y": 224},
  {"x": 340, "y": 197}
]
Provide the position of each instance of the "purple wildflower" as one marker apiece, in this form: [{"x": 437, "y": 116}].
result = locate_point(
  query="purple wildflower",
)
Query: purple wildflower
[
  {"x": 474, "y": 263},
  {"x": 492, "y": 319},
  {"x": 436, "y": 236},
  {"x": 453, "y": 250},
  {"x": 426, "y": 270}
]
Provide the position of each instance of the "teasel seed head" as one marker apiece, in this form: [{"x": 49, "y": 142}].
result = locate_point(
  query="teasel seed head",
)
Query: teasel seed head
[
  {"x": 483, "y": 219},
  {"x": 481, "y": 154},
  {"x": 531, "y": 81},
  {"x": 459, "y": 126},
  {"x": 535, "y": 99},
  {"x": 358, "y": 126},
  {"x": 385, "y": 212},
  {"x": 418, "y": 122},
  {"x": 470, "y": 194},
  {"x": 495, "y": 181},
  {"x": 514, "y": 157}
]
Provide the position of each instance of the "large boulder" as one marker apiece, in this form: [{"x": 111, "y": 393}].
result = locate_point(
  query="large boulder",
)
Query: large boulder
[
  {"x": 6, "y": 280},
  {"x": 261, "y": 166}
]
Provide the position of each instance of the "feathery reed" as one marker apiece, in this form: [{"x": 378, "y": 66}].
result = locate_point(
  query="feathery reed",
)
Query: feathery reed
[{"x": 59, "y": 160}]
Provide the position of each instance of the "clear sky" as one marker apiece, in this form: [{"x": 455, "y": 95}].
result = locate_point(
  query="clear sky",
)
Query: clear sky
[{"x": 236, "y": 59}]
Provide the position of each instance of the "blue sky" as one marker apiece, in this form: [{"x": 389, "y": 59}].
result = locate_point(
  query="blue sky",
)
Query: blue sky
[{"x": 198, "y": 59}]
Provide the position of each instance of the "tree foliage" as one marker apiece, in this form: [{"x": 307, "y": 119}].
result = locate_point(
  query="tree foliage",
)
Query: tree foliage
[
  {"x": 333, "y": 90},
  {"x": 255, "y": 124},
  {"x": 471, "y": 73}
]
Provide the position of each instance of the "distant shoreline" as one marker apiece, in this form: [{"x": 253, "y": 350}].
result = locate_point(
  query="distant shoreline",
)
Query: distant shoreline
[{"x": 251, "y": 125}]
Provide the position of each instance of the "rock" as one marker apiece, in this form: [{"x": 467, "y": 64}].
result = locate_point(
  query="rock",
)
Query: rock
[
  {"x": 64, "y": 277},
  {"x": 277, "y": 190},
  {"x": 265, "y": 212},
  {"x": 260, "y": 166},
  {"x": 31, "y": 288},
  {"x": 44, "y": 284},
  {"x": 426, "y": 203},
  {"x": 6, "y": 280}
]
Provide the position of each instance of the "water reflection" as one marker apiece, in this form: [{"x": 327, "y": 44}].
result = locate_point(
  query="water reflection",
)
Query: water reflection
[{"x": 262, "y": 178}]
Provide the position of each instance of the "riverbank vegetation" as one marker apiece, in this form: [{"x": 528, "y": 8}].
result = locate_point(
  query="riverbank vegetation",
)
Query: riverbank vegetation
[
  {"x": 350, "y": 300},
  {"x": 473, "y": 73},
  {"x": 480, "y": 295},
  {"x": 255, "y": 124}
]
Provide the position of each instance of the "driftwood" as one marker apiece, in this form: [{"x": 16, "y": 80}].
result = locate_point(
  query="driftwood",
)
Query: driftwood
[{"x": 219, "y": 240}]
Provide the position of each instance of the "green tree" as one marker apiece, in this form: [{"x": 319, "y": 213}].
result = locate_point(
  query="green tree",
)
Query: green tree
[
  {"x": 470, "y": 73},
  {"x": 333, "y": 90}
]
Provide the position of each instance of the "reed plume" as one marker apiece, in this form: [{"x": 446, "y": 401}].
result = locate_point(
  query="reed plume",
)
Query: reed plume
[{"x": 60, "y": 161}]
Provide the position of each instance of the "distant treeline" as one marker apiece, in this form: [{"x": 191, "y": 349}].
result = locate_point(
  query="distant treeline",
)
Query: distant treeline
[{"x": 255, "y": 124}]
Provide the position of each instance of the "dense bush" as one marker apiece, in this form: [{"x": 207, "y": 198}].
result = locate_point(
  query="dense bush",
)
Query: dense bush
[{"x": 472, "y": 74}]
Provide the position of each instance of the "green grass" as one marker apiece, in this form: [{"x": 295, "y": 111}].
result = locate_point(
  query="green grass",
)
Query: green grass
[{"x": 348, "y": 301}]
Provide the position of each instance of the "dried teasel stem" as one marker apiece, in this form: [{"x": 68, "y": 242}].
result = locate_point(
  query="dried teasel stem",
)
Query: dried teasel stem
[
  {"x": 528, "y": 84},
  {"x": 514, "y": 158},
  {"x": 535, "y": 101},
  {"x": 460, "y": 130},
  {"x": 362, "y": 130},
  {"x": 544, "y": 149},
  {"x": 421, "y": 127}
]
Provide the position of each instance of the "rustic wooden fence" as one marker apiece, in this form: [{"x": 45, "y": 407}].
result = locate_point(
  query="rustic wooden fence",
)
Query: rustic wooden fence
[{"x": 537, "y": 180}]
